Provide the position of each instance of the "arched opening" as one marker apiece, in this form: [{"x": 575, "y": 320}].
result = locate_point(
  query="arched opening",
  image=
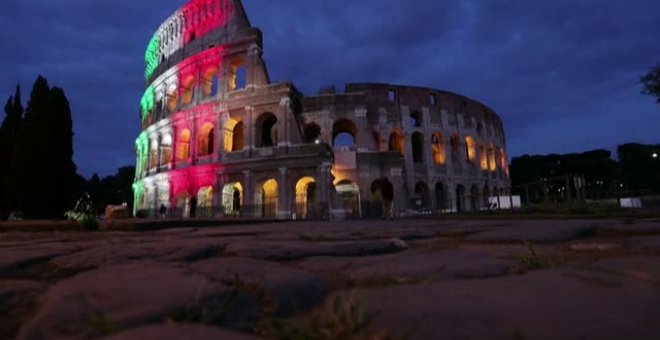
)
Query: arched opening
[
  {"x": 455, "y": 143},
  {"x": 438, "y": 149},
  {"x": 470, "y": 149},
  {"x": 266, "y": 130},
  {"x": 269, "y": 199},
  {"x": 232, "y": 198},
  {"x": 153, "y": 154},
  {"x": 397, "y": 142},
  {"x": 480, "y": 129},
  {"x": 483, "y": 158},
  {"x": 182, "y": 205},
  {"x": 234, "y": 135},
  {"x": 210, "y": 82},
  {"x": 166, "y": 150},
  {"x": 460, "y": 198},
  {"x": 504, "y": 163},
  {"x": 183, "y": 146},
  {"x": 440, "y": 197},
  {"x": 423, "y": 196},
  {"x": 348, "y": 196},
  {"x": 344, "y": 133},
  {"x": 237, "y": 77},
  {"x": 187, "y": 91},
  {"x": 306, "y": 198},
  {"x": 206, "y": 145},
  {"x": 415, "y": 120},
  {"x": 312, "y": 134},
  {"x": 172, "y": 99},
  {"x": 492, "y": 160},
  {"x": 418, "y": 147},
  {"x": 474, "y": 198},
  {"x": 205, "y": 202}
]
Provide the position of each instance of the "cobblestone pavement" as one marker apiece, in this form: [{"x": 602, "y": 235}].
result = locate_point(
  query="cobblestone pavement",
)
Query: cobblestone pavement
[{"x": 403, "y": 279}]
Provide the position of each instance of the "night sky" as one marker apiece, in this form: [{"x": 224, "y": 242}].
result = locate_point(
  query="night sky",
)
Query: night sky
[{"x": 562, "y": 74}]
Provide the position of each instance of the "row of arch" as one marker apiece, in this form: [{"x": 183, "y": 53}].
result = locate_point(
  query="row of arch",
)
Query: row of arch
[
  {"x": 488, "y": 156},
  {"x": 196, "y": 18},
  {"x": 163, "y": 150},
  {"x": 181, "y": 91}
]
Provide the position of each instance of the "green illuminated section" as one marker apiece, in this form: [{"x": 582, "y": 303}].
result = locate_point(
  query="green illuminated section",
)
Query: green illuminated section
[
  {"x": 142, "y": 148},
  {"x": 148, "y": 102},
  {"x": 151, "y": 56}
]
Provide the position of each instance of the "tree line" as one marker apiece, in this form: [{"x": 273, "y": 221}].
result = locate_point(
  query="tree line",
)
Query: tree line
[
  {"x": 635, "y": 171},
  {"x": 38, "y": 177}
]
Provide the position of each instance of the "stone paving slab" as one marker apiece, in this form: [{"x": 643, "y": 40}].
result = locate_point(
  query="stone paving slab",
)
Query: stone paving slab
[
  {"x": 544, "y": 231},
  {"x": 117, "y": 297},
  {"x": 288, "y": 289},
  {"x": 540, "y": 305},
  {"x": 172, "y": 331},
  {"x": 292, "y": 250},
  {"x": 441, "y": 278}
]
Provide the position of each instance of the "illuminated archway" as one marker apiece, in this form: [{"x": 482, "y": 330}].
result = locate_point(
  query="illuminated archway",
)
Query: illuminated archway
[
  {"x": 305, "y": 197},
  {"x": 166, "y": 150},
  {"x": 470, "y": 149},
  {"x": 206, "y": 140},
  {"x": 187, "y": 91},
  {"x": 348, "y": 195},
  {"x": 234, "y": 135},
  {"x": 205, "y": 201},
  {"x": 237, "y": 76},
  {"x": 269, "y": 199},
  {"x": 183, "y": 146},
  {"x": 483, "y": 158},
  {"x": 438, "y": 149},
  {"x": 153, "y": 154},
  {"x": 397, "y": 142},
  {"x": 492, "y": 159},
  {"x": 210, "y": 82},
  {"x": 232, "y": 198}
]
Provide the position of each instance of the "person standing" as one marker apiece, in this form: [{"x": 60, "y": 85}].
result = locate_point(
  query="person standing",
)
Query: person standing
[
  {"x": 162, "y": 211},
  {"x": 193, "y": 207}
]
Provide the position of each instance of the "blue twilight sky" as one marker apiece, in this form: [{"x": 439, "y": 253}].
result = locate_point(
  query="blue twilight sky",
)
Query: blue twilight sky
[{"x": 562, "y": 74}]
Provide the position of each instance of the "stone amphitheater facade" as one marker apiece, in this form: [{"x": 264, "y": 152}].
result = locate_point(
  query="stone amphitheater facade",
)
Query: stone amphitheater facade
[{"x": 220, "y": 139}]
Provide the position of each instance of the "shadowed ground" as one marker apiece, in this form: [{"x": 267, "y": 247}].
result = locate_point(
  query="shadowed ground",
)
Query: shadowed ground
[{"x": 404, "y": 279}]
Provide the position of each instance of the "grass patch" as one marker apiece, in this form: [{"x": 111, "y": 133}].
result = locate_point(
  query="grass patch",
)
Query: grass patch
[
  {"x": 536, "y": 261},
  {"x": 347, "y": 319}
]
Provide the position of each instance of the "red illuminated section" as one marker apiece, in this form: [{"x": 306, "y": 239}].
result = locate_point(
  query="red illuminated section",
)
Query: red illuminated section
[
  {"x": 189, "y": 181},
  {"x": 203, "y": 16}
]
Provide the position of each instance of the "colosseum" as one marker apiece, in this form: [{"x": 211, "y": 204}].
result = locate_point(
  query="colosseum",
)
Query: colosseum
[{"x": 220, "y": 139}]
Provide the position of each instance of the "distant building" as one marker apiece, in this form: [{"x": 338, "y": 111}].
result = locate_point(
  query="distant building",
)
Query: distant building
[{"x": 220, "y": 138}]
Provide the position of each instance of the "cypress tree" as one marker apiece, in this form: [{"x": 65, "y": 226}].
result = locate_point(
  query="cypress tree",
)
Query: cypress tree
[
  {"x": 8, "y": 138},
  {"x": 45, "y": 171}
]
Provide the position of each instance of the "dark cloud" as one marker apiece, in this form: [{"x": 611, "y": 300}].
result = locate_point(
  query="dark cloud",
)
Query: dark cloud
[{"x": 562, "y": 74}]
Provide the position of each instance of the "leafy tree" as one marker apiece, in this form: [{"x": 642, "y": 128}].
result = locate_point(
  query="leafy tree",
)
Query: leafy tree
[
  {"x": 651, "y": 83},
  {"x": 112, "y": 190}
]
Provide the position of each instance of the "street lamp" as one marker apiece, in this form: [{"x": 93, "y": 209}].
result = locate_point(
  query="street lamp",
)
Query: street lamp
[{"x": 655, "y": 155}]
